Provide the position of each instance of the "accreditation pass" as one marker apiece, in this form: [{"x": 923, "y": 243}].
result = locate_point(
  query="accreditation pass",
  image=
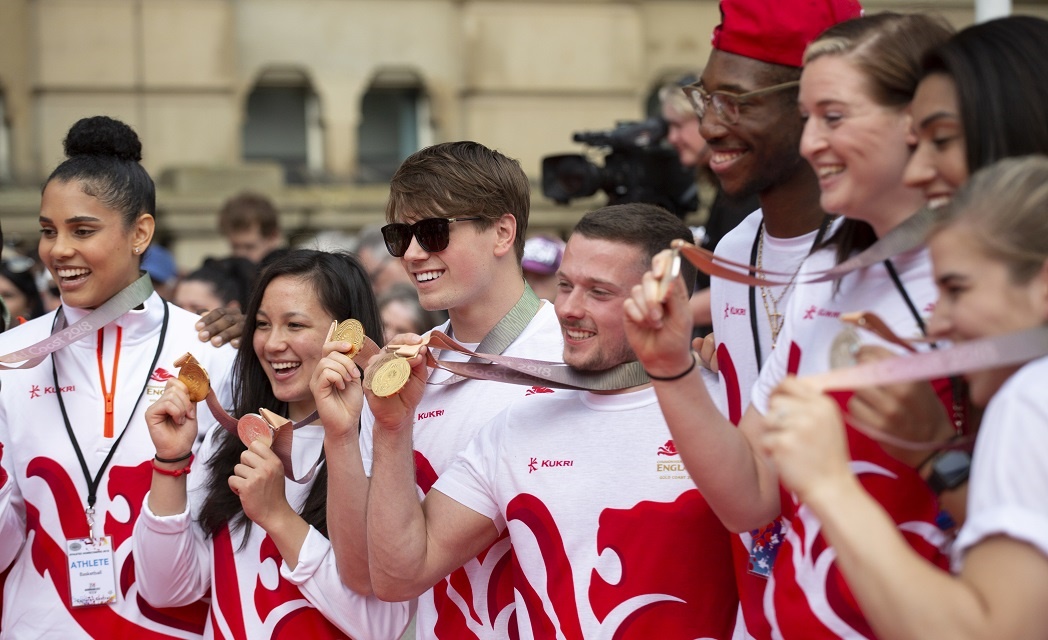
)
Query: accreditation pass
[{"x": 92, "y": 577}]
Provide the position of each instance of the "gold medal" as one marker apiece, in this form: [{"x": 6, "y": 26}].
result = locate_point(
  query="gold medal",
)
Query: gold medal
[
  {"x": 388, "y": 375},
  {"x": 194, "y": 377},
  {"x": 350, "y": 331},
  {"x": 843, "y": 348}
]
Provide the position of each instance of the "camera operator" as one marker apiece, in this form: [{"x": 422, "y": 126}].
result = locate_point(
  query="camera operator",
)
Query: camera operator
[{"x": 724, "y": 211}]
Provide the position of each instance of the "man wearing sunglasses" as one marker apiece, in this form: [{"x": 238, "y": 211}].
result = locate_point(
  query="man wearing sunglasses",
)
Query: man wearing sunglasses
[
  {"x": 746, "y": 101},
  {"x": 457, "y": 215},
  {"x": 610, "y": 536}
]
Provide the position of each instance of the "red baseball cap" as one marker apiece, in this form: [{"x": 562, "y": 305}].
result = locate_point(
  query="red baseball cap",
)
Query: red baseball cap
[{"x": 778, "y": 31}]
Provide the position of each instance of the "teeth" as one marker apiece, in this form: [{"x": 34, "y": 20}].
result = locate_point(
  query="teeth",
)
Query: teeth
[
  {"x": 938, "y": 202},
  {"x": 826, "y": 172},
  {"x": 72, "y": 273},
  {"x": 720, "y": 157},
  {"x": 426, "y": 276},
  {"x": 283, "y": 365},
  {"x": 578, "y": 335}
]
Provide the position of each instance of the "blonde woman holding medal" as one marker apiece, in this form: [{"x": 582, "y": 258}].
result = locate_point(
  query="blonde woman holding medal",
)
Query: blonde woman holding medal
[
  {"x": 236, "y": 529},
  {"x": 77, "y": 456},
  {"x": 991, "y": 267},
  {"x": 857, "y": 82}
]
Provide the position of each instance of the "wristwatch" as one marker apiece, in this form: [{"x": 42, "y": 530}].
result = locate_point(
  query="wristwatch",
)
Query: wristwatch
[{"x": 949, "y": 470}]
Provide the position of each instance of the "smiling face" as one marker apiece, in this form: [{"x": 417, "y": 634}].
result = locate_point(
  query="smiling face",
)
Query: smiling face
[
  {"x": 760, "y": 150},
  {"x": 85, "y": 245},
  {"x": 979, "y": 298},
  {"x": 594, "y": 278},
  {"x": 461, "y": 275},
  {"x": 289, "y": 337},
  {"x": 858, "y": 148},
  {"x": 683, "y": 135},
  {"x": 939, "y": 165}
]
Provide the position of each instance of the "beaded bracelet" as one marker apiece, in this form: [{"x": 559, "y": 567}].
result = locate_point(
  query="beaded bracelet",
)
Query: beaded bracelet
[
  {"x": 694, "y": 360},
  {"x": 174, "y": 473}
]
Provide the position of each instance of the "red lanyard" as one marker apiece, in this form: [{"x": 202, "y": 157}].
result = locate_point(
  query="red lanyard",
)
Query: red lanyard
[{"x": 108, "y": 395}]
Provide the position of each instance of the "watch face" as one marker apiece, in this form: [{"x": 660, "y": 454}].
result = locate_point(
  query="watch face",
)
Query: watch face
[{"x": 950, "y": 470}]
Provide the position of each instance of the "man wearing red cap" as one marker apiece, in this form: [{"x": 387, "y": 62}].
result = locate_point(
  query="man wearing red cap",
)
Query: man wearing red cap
[{"x": 747, "y": 106}]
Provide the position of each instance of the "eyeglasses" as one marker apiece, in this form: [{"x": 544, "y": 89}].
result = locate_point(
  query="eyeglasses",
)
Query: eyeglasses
[
  {"x": 726, "y": 104},
  {"x": 433, "y": 234}
]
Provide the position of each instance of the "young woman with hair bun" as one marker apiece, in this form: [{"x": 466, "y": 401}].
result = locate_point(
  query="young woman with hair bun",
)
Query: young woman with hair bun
[{"x": 77, "y": 458}]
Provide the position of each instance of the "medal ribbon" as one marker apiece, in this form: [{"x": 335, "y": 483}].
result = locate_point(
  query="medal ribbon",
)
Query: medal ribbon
[
  {"x": 907, "y": 235},
  {"x": 125, "y": 300},
  {"x": 283, "y": 437}
]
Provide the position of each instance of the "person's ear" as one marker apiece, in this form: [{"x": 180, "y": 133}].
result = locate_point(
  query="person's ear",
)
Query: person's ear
[
  {"x": 142, "y": 232},
  {"x": 505, "y": 234}
]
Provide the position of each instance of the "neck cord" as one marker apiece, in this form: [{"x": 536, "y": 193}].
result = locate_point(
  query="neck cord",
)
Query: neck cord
[
  {"x": 92, "y": 484},
  {"x": 753, "y": 290}
]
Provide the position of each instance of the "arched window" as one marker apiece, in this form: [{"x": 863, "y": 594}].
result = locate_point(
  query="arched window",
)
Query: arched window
[
  {"x": 394, "y": 123},
  {"x": 284, "y": 124}
]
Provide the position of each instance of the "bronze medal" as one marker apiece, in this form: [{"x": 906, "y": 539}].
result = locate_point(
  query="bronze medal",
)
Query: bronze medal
[{"x": 251, "y": 427}]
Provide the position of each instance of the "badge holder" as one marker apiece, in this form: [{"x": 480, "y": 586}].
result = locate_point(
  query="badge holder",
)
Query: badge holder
[{"x": 92, "y": 568}]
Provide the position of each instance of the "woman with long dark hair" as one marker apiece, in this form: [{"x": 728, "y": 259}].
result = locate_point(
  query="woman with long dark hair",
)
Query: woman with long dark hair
[{"x": 236, "y": 529}]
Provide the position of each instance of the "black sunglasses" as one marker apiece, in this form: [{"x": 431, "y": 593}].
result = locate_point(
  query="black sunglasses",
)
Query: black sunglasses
[{"x": 433, "y": 234}]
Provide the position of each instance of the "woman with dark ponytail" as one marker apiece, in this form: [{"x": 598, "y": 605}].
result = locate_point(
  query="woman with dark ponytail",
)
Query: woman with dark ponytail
[{"x": 78, "y": 458}]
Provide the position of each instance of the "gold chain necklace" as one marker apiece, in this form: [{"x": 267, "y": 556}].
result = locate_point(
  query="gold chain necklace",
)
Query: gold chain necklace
[{"x": 775, "y": 318}]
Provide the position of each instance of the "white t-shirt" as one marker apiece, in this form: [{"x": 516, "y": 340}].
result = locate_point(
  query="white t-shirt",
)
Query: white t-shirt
[
  {"x": 609, "y": 534},
  {"x": 806, "y": 595},
  {"x": 732, "y": 326},
  {"x": 1009, "y": 477},
  {"x": 755, "y": 551},
  {"x": 468, "y": 601},
  {"x": 253, "y": 592},
  {"x": 46, "y": 495}
]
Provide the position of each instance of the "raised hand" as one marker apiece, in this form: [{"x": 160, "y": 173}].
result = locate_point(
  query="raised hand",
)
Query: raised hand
[
  {"x": 804, "y": 435},
  {"x": 910, "y": 411},
  {"x": 659, "y": 328},
  {"x": 172, "y": 421},
  {"x": 335, "y": 384},
  {"x": 398, "y": 410}
]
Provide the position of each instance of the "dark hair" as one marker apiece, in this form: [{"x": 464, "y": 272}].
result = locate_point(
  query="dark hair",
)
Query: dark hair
[
  {"x": 458, "y": 179},
  {"x": 887, "y": 49},
  {"x": 103, "y": 155},
  {"x": 1002, "y": 89},
  {"x": 230, "y": 278},
  {"x": 648, "y": 227},
  {"x": 343, "y": 289},
  {"x": 25, "y": 281},
  {"x": 245, "y": 210}
]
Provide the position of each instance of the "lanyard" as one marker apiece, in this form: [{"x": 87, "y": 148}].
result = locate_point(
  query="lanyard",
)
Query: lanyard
[
  {"x": 505, "y": 331},
  {"x": 92, "y": 485},
  {"x": 753, "y": 291}
]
